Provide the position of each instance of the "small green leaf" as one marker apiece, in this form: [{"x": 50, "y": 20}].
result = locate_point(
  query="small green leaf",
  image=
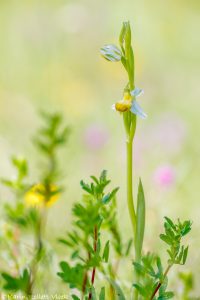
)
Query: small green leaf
[
  {"x": 106, "y": 251},
  {"x": 118, "y": 291},
  {"x": 122, "y": 36},
  {"x": 140, "y": 225},
  {"x": 16, "y": 283},
  {"x": 140, "y": 289},
  {"x": 102, "y": 295},
  {"x": 165, "y": 238},
  {"x": 165, "y": 296},
  {"x": 160, "y": 268},
  {"x": 185, "y": 254},
  {"x": 95, "y": 179},
  {"x": 94, "y": 297},
  {"x": 128, "y": 248},
  {"x": 85, "y": 187},
  {"x": 139, "y": 268},
  {"x": 170, "y": 222},
  {"x": 12, "y": 283},
  {"x": 74, "y": 297},
  {"x": 107, "y": 198}
]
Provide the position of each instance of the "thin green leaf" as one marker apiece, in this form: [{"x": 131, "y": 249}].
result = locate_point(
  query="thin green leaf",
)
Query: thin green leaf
[
  {"x": 118, "y": 291},
  {"x": 106, "y": 251},
  {"x": 140, "y": 227}
]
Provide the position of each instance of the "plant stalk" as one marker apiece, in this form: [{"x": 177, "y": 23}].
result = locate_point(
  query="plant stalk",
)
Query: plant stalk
[
  {"x": 130, "y": 202},
  {"x": 94, "y": 268},
  {"x": 38, "y": 252},
  {"x": 160, "y": 283}
]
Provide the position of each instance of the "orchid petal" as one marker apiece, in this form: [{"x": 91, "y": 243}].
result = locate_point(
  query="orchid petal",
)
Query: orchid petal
[
  {"x": 111, "y": 53},
  {"x": 137, "y": 92},
  {"x": 137, "y": 110}
]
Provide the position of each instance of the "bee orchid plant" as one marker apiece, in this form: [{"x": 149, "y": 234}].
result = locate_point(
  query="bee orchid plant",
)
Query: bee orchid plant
[{"x": 94, "y": 247}]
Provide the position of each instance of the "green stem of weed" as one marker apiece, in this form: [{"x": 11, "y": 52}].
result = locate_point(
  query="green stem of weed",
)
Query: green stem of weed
[
  {"x": 161, "y": 282},
  {"x": 38, "y": 251}
]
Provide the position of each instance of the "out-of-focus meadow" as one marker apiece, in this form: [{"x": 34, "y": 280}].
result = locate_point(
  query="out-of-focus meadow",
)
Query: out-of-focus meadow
[{"x": 50, "y": 61}]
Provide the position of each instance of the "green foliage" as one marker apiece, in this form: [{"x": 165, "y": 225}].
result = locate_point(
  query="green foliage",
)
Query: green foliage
[
  {"x": 154, "y": 278},
  {"x": 90, "y": 251},
  {"x": 16, "y": 212},
  {"x": 21, "y": 217},
  {"x": 49, "y": 139},
  {"x": 72, "y": 275},
  {"x": 151, "y": 272},
  {"x": 51, "y": 135},
  {"x": 18, "y": 184},
  {"x": 187, "y": 280},
  {"x": 173, "y": 236},
  {"x": 85, "y": 238},
  {"x": 17, "y": 283}
]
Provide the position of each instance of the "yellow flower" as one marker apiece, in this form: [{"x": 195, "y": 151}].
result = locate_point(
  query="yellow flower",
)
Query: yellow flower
[
  {"x": 36, "y": 195},
  {"x": 125, "y": 104}
]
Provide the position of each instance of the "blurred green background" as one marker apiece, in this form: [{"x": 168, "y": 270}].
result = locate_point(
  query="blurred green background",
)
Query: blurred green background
[{"x": 49, "y": 58}]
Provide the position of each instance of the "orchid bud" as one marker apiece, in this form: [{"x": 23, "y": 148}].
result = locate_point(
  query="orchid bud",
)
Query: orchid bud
[{"x": 111, "y": 53}]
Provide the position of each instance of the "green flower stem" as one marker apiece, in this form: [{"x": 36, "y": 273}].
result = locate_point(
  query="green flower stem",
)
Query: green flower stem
[
  {"x": 130, "y": 127},
  {"x": 130, "y": 201},
  {"x": 129, "y": 147}
]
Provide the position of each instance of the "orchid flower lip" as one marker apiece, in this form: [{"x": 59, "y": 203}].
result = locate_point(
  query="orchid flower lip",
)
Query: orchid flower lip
[{"x": 131, "y": 104}]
